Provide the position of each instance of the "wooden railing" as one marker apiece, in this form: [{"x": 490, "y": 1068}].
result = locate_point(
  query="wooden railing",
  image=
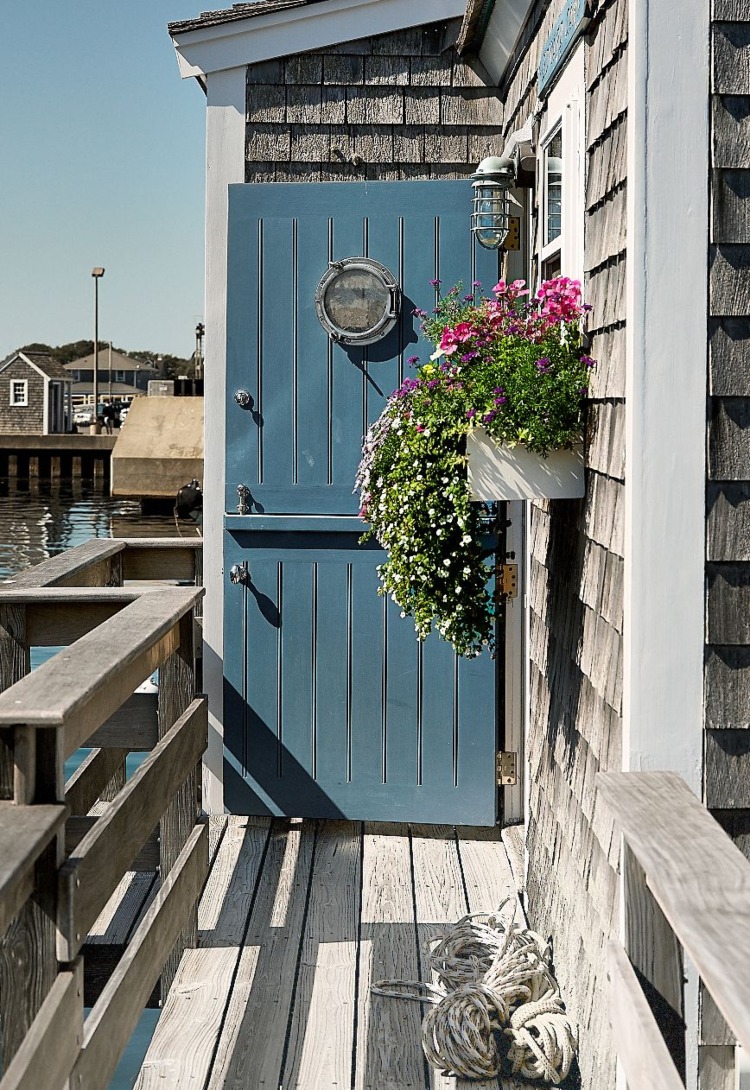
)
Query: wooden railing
[
  {"x": 687, "y": 888},
  {"x": 66, "y": 846}
]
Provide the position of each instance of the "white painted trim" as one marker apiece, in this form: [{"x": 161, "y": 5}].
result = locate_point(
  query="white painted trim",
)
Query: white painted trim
[
  {"x": 515, "y": 667},
  {"x": 225, "y": 164},
  {"x": 13, "y": 404},
  {"x": 45, "y": 410},
  {"x": 667, "y": 271},
  {"x": 296, "y": 30},
  {"x": 667, "y": 274}
]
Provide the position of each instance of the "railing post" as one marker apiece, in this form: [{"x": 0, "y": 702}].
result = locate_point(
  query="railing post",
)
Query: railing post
[
  {"x": 656, "y": 956},
  {"x": 14, "y": 664},
  {"x": 176, "y": 691}
]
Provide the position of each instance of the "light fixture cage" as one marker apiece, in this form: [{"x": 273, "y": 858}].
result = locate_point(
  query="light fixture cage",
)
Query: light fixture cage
[{"x": 491, "y": 202}]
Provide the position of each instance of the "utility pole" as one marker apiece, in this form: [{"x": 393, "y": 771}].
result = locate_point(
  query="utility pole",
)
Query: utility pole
[{"x": 200, "y": 329}]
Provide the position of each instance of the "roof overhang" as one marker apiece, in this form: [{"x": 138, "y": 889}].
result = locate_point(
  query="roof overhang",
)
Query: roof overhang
[
  {"x": 497, "y": 32},
  {"x": 285, "y": 31}
]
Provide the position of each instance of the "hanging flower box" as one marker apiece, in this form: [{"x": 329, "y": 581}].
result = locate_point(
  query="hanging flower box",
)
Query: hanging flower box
[
  {"x": 492, "y": 415},
  {"x": 500, "y": 472}
]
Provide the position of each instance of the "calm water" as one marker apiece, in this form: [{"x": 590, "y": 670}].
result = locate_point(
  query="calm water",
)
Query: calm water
[{"x": 38, "y": 521}]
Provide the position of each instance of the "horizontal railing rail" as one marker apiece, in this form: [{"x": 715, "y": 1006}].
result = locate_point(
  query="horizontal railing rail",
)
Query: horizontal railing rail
[
  {"x": 687, "y": 888},
  {"x": 67, "y": 846}
]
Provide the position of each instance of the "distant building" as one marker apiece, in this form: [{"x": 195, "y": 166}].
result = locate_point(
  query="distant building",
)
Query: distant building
[
  {"x": 121, "y": 375},
  {"x": 35, "y": 395}
]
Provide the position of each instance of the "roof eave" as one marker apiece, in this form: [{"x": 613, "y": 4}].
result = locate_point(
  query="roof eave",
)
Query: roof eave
[{"x": 235, "y": 42}]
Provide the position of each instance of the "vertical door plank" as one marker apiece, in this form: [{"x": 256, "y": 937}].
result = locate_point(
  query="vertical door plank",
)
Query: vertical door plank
[
  {"x": 402, "y": 696},
  {"x": 251, "y": 1047},
  {"x": 321, "y": 1036},
  {"x": 389, "y": 1053},
  {"x": 332, "y": 671},
  {"x": 312, "y": 345},
  {"x": 244, "y": 359},
  {"x": 476, "y": 721},
  {"x": 275, "y": 402},
  {"x": 347, "y": 396},
  {"x": 298, "y": 576},
  {"x": 384, "y": 360},
  {"x": 368, "y": 673},
  {"x": 439, "y": 716}
]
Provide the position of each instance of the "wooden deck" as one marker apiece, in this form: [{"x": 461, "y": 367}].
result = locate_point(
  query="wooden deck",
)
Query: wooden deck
[{"x": 296, "y": 921}]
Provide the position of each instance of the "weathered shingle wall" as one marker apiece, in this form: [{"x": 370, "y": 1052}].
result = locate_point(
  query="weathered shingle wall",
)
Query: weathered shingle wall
[
  {"x": 401, "y": 105},
  {"x": 727, "y": 670},
  {"x": 19, "y": 419},
  {"x": 576, "y": 579}
]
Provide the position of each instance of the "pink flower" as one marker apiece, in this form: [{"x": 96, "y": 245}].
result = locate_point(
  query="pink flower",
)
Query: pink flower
[
  {"x": 463, "y": 331},
  {"x": 448, "y": 341},
  {"x": 500, "y": 288}
]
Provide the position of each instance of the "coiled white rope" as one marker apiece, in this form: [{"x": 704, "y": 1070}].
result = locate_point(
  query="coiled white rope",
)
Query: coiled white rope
[{"x": 496, "y": 1007}]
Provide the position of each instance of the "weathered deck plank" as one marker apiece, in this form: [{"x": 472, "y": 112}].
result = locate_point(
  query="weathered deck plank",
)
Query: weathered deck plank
[
  {"x": 388, "y": 1053},
  {"x": 321, "y": 1034},
  {"x": 295, "y": 923},
  {"x": 439, "y": 897},
  {"x": 187, "y": 1034},
  {"x": 251, "y": 1046}
]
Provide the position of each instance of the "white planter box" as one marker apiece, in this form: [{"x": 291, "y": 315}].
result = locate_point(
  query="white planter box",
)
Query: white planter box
[{"x": 514, "y": 473}]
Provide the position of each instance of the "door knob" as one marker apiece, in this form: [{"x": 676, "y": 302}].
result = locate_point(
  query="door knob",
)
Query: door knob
[
  {"x": 244, "y": 495},
  {"x": 244, "y": 399},
  {"x": 239, "y": 574}
]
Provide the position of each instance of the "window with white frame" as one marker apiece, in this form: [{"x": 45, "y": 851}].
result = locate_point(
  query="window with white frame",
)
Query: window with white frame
[
  {"x": 19, "y": 392},
  {"x": 560, "y": 165}
]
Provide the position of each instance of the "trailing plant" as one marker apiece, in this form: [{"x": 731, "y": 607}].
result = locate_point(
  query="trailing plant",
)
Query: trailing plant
[{"x": 512, "y": 364}]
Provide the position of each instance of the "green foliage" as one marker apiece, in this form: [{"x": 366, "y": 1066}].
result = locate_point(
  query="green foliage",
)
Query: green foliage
[{"x": 511, "y": 365}]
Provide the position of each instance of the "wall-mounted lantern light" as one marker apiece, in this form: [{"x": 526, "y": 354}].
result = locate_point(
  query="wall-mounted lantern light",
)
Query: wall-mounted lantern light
[{"x": 491, "y": 204}]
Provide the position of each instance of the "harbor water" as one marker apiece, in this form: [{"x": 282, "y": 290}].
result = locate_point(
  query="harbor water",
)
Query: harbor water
[{"x": 38, "y": 520}]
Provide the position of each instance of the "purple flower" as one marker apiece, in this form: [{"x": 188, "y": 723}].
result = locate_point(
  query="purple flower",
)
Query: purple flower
[
  {"x": 489, "y": 417},
  {"x": 435, "y": 283},
  {"x": 542, "y": 364},
  {"x": 470, "y": 413},
  {"x": 469, "y": 356},
  {"x": 476, "y": 283},
  {"x": 468, "y": 298},
  {"x": 501, "y": 400},
  {"x": 587, "y": 361},
  {"x": 419, "y": 313},
  {"x": 498, "y": 390}
]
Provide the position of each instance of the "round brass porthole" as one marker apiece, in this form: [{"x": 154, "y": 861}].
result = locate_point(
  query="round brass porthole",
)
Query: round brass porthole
[{"x": 357, "y": 300}]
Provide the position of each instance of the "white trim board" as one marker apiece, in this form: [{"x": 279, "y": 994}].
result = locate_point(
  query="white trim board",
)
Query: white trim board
[
  {"x": 665, "y": 413},
  {"x": 667, "y": 274},
  {"x": 225, "y": 164},
  {"x": 300, "y": 29}
]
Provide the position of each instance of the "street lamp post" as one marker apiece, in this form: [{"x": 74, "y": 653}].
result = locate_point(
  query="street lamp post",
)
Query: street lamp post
[
  {"x": 97, "y": 274},
  {"x": 200, "y": 329}
]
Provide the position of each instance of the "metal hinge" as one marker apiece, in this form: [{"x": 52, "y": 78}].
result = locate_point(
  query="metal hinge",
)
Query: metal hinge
[
  {"x": 513, "y": 238},
  {"x": 505, "y": 768},
  {"x": 507, "y": 575}
]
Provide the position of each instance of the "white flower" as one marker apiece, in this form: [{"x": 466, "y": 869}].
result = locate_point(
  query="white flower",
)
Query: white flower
[{"x": 446, "y": 563}]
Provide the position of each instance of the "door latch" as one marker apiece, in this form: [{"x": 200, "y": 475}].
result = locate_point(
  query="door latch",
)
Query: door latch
[
  {"x": 506, "y": 769},
  {"x": 507, "y": 577},
  {"x": 239, "y": 574},
  {"x": 244, "y": 495}
]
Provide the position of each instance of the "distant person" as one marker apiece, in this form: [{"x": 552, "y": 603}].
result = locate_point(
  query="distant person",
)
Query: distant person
[
  {"x": 116, "y": 418},
  {"x": 109, "y": 417}
]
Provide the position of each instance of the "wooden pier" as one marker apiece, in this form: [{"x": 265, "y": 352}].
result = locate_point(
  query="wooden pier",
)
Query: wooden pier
[
  {"x": 260, "y": 938},
  {"x": 56, "y": 457}
]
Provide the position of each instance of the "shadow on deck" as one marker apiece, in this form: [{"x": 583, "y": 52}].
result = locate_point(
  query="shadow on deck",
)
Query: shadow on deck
[{"x": 296, "y": 921}]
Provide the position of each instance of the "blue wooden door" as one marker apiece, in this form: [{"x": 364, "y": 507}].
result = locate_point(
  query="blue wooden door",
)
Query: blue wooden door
[{"x": 332, "y": 706}]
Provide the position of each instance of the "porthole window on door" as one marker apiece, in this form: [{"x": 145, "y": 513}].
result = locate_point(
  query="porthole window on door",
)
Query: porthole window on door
[{"x": 357, "y": 300}]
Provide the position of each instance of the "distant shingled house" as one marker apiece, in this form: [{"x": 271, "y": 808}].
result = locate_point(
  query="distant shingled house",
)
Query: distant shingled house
[
  {"x": 121, "y": 376},
  {"x": 35, "y": 395}
]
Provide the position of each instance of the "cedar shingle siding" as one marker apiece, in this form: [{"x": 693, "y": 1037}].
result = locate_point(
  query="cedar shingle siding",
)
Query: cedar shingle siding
[
  {"x": 17, "y": 419},
  {"x": 401, "y": 105},
  {"x": 576, "y": 576},
  {"x": 727, "y": 670}
]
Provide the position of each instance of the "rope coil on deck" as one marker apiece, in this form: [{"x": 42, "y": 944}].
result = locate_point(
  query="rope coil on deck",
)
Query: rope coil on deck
[{"x": 496, "y": 1000}]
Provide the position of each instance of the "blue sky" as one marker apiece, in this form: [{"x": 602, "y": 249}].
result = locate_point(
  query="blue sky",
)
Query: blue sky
[{"x": 102, "y": 146}]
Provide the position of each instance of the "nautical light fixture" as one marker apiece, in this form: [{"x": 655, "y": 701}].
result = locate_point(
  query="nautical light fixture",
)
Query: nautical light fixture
[{"x": 491, "y": 204}]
